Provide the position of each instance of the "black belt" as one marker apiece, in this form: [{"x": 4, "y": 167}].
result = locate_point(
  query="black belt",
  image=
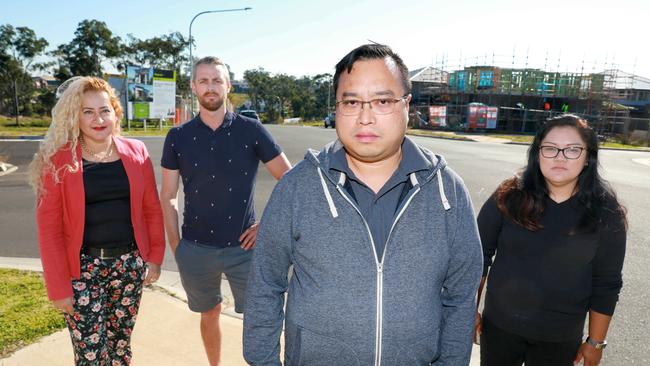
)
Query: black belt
[{"x": 108, "y": 253}]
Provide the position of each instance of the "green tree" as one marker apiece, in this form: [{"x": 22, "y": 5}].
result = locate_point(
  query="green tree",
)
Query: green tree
[
  {"x": 259, "y": 87},
  {"x": 19, "y": 46},
  {"x": 285, "y": 89},
  {"x": 92, "y": 45},
  {"x": 305, "y": 97},
  {"x": 324, "y": 94}
]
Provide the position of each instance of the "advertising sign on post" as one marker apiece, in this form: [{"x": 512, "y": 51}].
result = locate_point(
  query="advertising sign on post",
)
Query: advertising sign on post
[
  {"x": 481, "y": 116},
  {"x": 492, "y": 114},
  {"x": 438, "y": 116},
  {"x": 472, "y": 115},
  {"x": 151, "y": 92},
  {"x": 164, "y": 90}
]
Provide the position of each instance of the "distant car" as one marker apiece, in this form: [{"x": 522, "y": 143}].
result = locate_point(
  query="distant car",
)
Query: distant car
[
  {"x": 330, "y": 120},
  {"x": 250, "y": 113}
]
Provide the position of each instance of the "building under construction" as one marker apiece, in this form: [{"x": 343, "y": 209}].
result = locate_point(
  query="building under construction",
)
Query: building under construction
[{"x": 611, "y": 100}]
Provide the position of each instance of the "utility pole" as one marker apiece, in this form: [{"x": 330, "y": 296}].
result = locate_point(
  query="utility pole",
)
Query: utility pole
[
  {"x": 329, "y": 91},
  {"x": 16, "y": 101}
]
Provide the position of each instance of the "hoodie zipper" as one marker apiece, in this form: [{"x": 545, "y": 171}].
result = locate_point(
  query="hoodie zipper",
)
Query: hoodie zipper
[{"x": 380, "y": 268}]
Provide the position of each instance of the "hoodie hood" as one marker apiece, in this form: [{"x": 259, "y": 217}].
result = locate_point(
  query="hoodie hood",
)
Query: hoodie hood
[{"x": 433, "y": 166}]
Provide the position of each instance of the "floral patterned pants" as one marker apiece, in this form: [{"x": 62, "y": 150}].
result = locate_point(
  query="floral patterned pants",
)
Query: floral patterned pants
[{"x": 106, "y": 301}]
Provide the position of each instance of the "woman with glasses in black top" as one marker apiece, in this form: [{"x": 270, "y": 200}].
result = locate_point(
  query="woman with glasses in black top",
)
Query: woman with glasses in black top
[{"x": 559, "y": 235}]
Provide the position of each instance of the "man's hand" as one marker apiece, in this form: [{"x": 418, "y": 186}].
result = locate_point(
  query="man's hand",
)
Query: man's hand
[
  {"x": 153, "y": 273},
  {"x": 247, "y": 239},
  {"x": 590, "y": 355},
  {"x": 64, "y": 305}
]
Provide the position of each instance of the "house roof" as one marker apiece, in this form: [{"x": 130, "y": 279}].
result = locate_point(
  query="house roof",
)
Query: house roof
[{"x": 429, "y": 74}]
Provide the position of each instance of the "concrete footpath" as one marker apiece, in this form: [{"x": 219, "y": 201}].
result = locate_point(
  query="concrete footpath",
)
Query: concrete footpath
[{"x": 166, "y": 333}]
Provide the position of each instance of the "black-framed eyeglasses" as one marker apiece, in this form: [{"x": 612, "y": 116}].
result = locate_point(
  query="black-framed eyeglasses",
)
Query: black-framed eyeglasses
[
  {"x": 571, "y": 152},
  {"x": 352, "y": 107}
]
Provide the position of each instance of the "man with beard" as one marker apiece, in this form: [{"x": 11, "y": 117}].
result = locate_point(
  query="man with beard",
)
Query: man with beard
[{"x": 216, "y": 154}]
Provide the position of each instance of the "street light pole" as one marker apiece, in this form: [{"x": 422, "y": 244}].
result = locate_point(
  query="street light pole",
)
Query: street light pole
[
  {"x": 280, "y": 107},
  {"x": 190, "y": 42},
  {"x": 329, "y": 92}
]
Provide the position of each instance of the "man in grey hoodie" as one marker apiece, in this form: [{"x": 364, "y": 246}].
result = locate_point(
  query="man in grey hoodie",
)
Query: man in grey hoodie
[{"x": 379, "y": 235}]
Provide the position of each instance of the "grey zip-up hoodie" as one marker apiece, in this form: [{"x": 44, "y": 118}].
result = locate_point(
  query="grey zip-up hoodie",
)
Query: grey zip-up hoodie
[{"x": 414, "y": 305}]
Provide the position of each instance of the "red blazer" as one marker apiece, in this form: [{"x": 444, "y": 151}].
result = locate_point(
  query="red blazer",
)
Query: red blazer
[{"x": 61, "y": 210}]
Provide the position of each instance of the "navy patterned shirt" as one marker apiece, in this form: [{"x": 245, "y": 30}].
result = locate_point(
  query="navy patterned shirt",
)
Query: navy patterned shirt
[{"x": 218, "y": 170}]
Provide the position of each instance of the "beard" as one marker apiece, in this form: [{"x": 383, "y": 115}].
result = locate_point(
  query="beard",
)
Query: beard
[{"x": 210, "y": 105}]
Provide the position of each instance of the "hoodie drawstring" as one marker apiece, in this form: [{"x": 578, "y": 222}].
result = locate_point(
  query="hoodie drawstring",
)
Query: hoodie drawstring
[
  {"x": 342, "y": 179},
  {"x": 441, "y": 188},
  {"x": 414, "y": 183},
  {"x": 330, "y": 201},
  {"x": 414, "y": 180}
]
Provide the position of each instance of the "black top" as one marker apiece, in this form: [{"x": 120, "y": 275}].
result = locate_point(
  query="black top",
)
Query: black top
[
  {"x": 218, "y": 170},
  {"x": 379, "y": 209},
  {"x": 108, "y": 205},
  {"x": 542, "y": 283}
]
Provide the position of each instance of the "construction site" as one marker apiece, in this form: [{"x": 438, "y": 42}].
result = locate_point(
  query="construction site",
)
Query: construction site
[{"x": 516, "y": 98}]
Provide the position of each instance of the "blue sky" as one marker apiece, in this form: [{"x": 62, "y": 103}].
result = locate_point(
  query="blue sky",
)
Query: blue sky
[{"x": 309, "y": 37}]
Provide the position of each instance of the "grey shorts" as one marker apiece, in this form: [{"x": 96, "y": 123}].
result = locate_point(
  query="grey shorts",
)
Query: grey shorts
[{"x": 201, "y": 266}]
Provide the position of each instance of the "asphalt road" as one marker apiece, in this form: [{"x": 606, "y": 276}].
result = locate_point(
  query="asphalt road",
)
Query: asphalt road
[{"x": 482, "y": 166}]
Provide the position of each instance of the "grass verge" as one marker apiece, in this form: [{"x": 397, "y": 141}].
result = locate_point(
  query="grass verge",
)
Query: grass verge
[
  {"x": 445, "y": 135},
  {"x": 312, "y": 123},
  {"x": 25, "y": 312},
  {"x": 527, "y": 139}
]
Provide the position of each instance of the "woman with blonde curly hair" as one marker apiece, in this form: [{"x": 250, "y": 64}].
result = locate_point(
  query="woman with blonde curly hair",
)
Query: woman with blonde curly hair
[{"x": 100, "y": 225}]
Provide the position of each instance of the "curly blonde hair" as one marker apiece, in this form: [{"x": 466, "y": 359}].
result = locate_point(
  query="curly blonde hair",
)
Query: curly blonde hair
[{"x": 64, "y": 129}]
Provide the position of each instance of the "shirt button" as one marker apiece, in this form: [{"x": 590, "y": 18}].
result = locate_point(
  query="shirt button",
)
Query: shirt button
[
  {"x": 245, "y": 201},
  {"x": 228, "y": 133},
  {"x": 228, "y": 243},
  {"x": 196, "y": 164},
  {"x": 212, "y": 148},
  {"x": 229, "y": 189},
  {"x": 230, "y": 160},
  {"x": 229, "y": 217},
  {"x": 213, "y": 177},
  {"x": 194, "y": 138},
  {"x": 212, "y": 204},
  {"x": 211, "y": 231}
]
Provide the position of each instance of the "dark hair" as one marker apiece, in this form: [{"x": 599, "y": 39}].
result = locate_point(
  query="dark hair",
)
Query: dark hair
[
  {"x": 522, "y": 198},
  {"x": 371, "y": 52}
]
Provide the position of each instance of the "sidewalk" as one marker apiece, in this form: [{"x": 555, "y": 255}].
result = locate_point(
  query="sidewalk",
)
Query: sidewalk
[{"x": 166, "y": 333}]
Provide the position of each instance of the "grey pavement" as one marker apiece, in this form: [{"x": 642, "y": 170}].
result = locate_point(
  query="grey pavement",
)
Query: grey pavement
[{"x": 166, "y": 333}]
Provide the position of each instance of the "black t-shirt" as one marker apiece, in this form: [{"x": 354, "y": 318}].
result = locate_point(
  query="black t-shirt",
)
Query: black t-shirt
[
  {"x": 542, "y": 283},
  {"x": 108, "y": 205}
]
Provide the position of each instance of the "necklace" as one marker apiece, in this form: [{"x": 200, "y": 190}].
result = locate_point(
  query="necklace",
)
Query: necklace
[{"x": 96, "y": 156}]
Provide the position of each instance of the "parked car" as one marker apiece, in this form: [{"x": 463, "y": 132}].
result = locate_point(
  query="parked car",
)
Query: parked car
[
  {"x": 249, "y": 113},
  {"x": 330, "y": 120}
]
